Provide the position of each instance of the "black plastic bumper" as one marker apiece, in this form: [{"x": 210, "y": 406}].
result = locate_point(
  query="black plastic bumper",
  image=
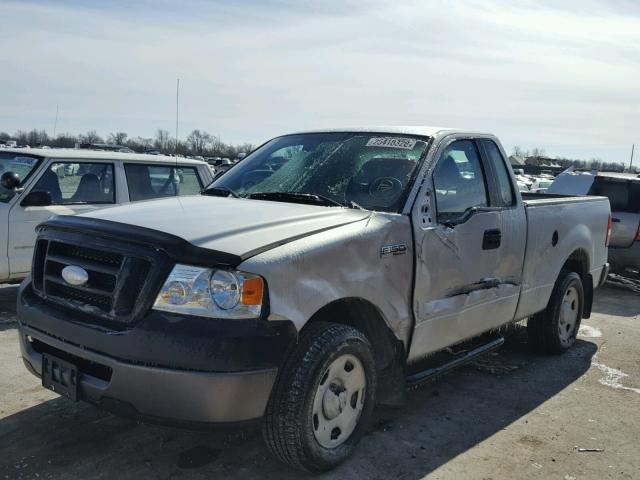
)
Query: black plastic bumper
[
  {"x": 166, "y": 340},
  {"x": 171, "y": 369}
]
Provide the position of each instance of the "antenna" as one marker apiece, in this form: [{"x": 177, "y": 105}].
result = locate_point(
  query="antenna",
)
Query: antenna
[
  {"x": 177, "y": 110},
  {"x": 633, "y": 146},
  {"x": 55, "y": 123}
]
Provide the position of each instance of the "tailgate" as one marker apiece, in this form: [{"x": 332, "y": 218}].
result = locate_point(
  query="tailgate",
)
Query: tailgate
[
  {"x": 625, "y": 229},
  {"x": 624, "y": 196}
]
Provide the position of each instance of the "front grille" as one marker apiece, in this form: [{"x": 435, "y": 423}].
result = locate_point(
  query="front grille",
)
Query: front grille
[{"x": 119, "y": 282}]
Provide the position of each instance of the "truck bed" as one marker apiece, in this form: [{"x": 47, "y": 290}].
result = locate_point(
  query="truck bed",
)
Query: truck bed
[
  {"x": 560, "y": 227},
  {"x": 532, "y": 199}
]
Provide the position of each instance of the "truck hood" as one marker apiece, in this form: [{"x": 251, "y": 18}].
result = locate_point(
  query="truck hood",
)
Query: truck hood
[{"x": 238, "y": 226}]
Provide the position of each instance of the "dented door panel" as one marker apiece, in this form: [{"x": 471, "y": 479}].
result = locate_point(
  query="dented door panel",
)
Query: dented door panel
[
  {"x": 464, "y": 285},
  {"x": 461, "y": 289}
]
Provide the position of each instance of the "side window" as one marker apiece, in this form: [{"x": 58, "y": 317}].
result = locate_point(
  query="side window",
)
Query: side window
[
  {"x": 459, "y": 181},
  {"x": 504, "y": 196},
  {"x": 188, "y": 181},
  {"x": 154, "y": 181},
  {"x": 77, "y": 183},
  {"x": 623, "y": 196}
]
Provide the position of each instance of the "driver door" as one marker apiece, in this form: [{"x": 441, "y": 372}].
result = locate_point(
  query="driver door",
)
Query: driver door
[{"x": 460, "y": 287}]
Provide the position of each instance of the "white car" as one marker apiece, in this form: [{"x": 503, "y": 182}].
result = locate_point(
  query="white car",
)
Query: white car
[
  {"x": 522, "y": 187},
  {"x": 541, "y": 184},
  {"x": 39, "y": 183}
]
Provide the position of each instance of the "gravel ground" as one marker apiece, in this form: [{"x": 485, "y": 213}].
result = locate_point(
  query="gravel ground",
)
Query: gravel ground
[{"x": 511, "y": 415}]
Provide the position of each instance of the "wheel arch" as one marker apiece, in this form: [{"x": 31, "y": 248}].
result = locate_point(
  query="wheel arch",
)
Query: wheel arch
[
  {"x": 363, "y": 315},
  {"x": 388, "y": 350},
  {"x": 579, "y": 262}
]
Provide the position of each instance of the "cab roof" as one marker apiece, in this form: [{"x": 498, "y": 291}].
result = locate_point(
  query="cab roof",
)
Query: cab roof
[
  {"x": 423, "y": 131},
  {"x": 86, "y": 154}
]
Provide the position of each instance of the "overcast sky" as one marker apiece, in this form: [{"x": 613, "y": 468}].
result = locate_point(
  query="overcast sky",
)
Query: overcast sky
[{"x": 538, "y": 75}]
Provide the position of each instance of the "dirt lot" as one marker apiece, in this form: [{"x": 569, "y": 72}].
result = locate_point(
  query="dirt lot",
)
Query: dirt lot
[{"x": 512, "y": 415}]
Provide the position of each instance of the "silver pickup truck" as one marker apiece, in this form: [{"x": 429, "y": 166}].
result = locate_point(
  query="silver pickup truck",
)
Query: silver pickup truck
[
  {"x": 623, "y": 192},
  {"x": 319, "y": 276}
]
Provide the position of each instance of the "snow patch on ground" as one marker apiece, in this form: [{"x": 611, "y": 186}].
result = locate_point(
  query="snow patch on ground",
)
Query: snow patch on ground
[
  {"x": 589, "y": 332},
  {"x": 612, "y": 378}
]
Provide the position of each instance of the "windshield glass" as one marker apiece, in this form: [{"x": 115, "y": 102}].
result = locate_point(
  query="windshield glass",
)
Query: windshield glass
[
  {"x": 23, "y": 165},
  {"x": 372, "y": 170}
]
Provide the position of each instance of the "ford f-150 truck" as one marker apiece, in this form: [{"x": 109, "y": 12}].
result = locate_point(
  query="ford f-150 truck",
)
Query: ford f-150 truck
[{"x": 318, "y": 277}]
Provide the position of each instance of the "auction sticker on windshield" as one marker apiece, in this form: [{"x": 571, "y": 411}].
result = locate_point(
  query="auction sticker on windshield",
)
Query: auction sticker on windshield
[{"x": 392, "y": 142}]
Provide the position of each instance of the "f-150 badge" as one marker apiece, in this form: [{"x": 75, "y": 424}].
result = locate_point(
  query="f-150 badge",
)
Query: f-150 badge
[{"x": 397, "y": 249}]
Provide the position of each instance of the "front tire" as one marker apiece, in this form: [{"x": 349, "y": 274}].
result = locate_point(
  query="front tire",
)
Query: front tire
[
  {"x": 554, "y": 330},
  {"x": 323, "y": 398}
]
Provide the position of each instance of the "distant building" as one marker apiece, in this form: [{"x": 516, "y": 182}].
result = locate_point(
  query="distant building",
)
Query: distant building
[
  {"x": 517, "y": 160},
  {"x": 535, "y": 165}
]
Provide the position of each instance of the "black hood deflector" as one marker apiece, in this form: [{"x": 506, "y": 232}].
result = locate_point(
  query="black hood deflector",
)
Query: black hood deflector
[{"x": 178, "y": 249}]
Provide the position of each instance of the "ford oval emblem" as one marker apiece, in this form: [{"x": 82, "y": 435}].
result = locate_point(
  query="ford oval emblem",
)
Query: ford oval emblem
[{"x": 74, "y": 275}]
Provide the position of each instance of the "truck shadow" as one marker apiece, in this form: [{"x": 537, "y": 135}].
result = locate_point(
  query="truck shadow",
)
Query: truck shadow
[{"x": 58, "y": 439}]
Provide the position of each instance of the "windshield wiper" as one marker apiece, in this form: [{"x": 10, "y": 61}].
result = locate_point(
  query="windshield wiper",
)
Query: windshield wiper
[
  {"x": 308, "y": 198},
  {"x": 220, "y": 192},
  {"x": 357, "y": 206}
]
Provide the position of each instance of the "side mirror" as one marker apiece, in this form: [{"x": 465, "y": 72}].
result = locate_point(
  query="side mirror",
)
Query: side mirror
[
  {"x": 37, "y": 198},
  {"x": 10, "y": 180}
]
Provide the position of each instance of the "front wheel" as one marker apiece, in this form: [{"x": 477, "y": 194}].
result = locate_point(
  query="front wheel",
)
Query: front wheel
[
  {"x": 322, "y": 399},
  {"x": 554, "y": 330}
]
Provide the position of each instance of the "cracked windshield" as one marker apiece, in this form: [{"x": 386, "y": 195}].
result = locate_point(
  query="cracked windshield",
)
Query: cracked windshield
[{"x": 365, "y": 170}]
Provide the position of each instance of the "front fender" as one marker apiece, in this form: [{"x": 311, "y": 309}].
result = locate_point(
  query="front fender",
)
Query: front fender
[{"x": 305, "y": 275}]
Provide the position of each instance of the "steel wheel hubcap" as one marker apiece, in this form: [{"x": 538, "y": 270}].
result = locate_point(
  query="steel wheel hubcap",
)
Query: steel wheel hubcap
[
  {"x": 568, "y": 319},
  {"x": 338, "y": 401}
]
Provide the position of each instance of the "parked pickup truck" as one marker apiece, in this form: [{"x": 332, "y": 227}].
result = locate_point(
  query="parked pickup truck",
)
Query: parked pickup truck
[
  {"x": 623, "y": 192},
  {"x": 300, "y": 296}
]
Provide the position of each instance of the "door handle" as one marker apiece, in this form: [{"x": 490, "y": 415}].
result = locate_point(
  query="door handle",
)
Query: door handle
[
  {"x": 615, "y": 220},
  {"x": 491, "y": 239}
]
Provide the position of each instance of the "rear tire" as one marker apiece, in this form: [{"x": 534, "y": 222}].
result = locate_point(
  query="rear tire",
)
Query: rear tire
[
  {"x": 554, "y": 330},
  {"x": 323, "y": 398}
]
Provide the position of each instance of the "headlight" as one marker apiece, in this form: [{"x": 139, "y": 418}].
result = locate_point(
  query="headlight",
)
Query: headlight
[
  {"x": 225, "y": 289},
  {"x": 209, "y": 292}
]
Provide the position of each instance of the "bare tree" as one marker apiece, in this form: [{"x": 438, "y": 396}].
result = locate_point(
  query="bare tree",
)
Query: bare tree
[
  {"x": 90, "y": 137},
  {"x": 21, "y": 137},
  {"x": 198, "y": 141},
  {"x": 64, "y": 140},
  {"x": 140, "y": 144},
  {"x": 36, "y": 138},
  {"x": 161, "y": 141},
  {"x": 538, "y": 152},
  {"x": 117, "y": 138}
]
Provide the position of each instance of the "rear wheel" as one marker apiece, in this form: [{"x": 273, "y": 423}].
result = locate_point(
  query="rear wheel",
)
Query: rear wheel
[
  {"x": 554, "y": 330},
  {"x": 323, "y": 398}
]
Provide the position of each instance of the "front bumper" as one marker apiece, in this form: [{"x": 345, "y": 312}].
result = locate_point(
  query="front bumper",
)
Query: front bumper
[{"x": 174, "y": 391}]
